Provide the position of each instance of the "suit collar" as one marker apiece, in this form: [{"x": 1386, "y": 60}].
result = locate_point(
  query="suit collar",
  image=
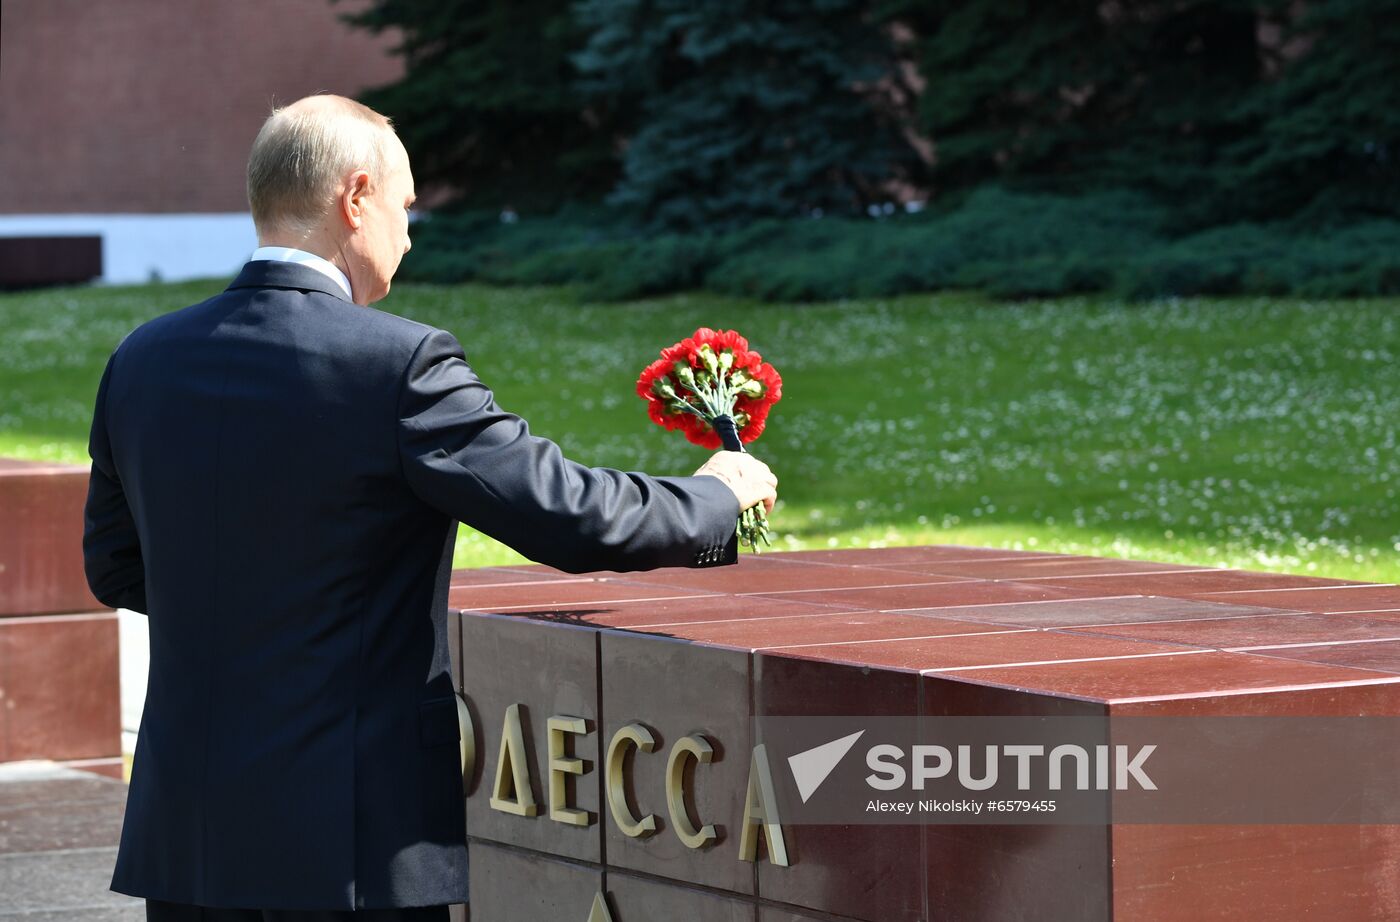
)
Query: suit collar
[{"x": 276, "y": 274}]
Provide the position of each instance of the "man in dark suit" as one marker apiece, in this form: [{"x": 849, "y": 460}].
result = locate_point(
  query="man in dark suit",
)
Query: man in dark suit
[{"x": 277, "y": 475}]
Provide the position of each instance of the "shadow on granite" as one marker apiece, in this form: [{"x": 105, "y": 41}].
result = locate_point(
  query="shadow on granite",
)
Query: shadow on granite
[{"x": 58, "y": 841}]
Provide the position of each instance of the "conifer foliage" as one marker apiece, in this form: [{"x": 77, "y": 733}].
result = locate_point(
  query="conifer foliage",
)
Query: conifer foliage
[
  {"x": 705, "y": 115},
  {"x": 488, "y": 105},
  {"x": 745, "y": 109}
]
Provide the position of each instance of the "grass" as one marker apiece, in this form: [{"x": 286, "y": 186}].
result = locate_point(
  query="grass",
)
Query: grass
[{"x": 1258, "y": 433}]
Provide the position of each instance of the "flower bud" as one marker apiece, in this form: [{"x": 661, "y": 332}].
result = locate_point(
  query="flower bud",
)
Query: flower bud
[
  {"x": 751, "y": 388},
  {"x": 685, "y": 374},
  {"x": 707, "y": 355}
]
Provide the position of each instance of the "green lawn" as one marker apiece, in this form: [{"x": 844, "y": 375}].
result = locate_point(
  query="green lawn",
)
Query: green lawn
[{"x": 1252, "y": 433}]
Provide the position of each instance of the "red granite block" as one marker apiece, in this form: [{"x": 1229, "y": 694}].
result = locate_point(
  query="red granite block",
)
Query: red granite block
[
  {"x": 1031, "y": 568},
  {"x": 1054, "y": 873},
  {"x": 1191, "y": 583},
  {"x": 1252, "y": 631},
  {"x": 868, "y": 872},
  {"x": 1351, "y": 699},
  {"x": 18, "y": 465},
  {"x": 887, "y": 556},
  {"x": 991, "y": 873},
  {"x": 675, "y": 689},
  {"x": 1379, "y": 655},
  {"x": 949, "y": 694},
  {"x": 41, "y": 543},
  {"x": 940, "y": 595},
  {"x": 1211, "y": 784},
  {"x": 751, "y": 572},
  {"x": 1197, "y": 674},
  {"x": 546, "y": 593},
  {"x": 1390, "y": 614},
  {"x": 985, "y": 650},
  {"x": 1362, "y": 598},
  {"x": 548, "y": 670},
  {"x": 1030, "y": 873},
  {"x": 499, "y": 576},
  {"x": 61, "y": 687},
  {"x": 1158, "y": 872},
  {"x": 538, "y": 569},
  {"x": 1263, "y": 873},
  {"x": 1182, "y": 872},
  {"x": 1375, "y": 695},
  {"x": 519, "y": 886},
  {"x": 631, "y": 614},
  {"x": 815, "y": 629},
  {"x": 1093, "y": 612},
  {"x": 793, "y": 578}
]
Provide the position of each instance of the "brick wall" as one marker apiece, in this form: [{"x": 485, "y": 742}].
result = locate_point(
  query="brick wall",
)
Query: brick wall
[{"x": 150, "y": 106}]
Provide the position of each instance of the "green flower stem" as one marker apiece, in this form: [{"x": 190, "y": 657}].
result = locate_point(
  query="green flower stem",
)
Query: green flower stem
[
  {"x": 717, "y": 399},
  {"x": 753, "y": 528}
]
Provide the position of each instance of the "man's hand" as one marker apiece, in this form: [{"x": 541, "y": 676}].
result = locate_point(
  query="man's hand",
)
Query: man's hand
[{"x": 749, "y": 478}]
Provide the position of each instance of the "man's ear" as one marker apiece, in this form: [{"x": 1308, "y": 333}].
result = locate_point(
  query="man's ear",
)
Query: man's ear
[{"x": 352, "y": 198}]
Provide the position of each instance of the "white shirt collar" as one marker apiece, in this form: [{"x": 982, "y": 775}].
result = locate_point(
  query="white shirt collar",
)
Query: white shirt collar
[{"x": 303, "y": 258}]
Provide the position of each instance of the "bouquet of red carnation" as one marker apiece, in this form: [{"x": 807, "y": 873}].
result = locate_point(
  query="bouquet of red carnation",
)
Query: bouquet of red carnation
[{"x": 717, "y": 391}]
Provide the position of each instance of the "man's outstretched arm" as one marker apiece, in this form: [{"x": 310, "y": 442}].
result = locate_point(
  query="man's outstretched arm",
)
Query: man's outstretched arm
[
  {"x": 116, "y": 573},
  {"x": 468, "y": 458}
]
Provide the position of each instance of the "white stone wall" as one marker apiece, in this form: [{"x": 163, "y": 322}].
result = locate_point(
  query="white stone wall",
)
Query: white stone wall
[{"x": 145, "y": 247}]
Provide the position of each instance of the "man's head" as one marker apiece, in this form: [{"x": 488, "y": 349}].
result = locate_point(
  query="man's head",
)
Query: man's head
[{"x": 329, "y": 176}]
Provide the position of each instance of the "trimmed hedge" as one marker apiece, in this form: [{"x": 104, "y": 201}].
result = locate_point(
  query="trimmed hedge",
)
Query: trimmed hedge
[{"x": 1007, "y": 243}]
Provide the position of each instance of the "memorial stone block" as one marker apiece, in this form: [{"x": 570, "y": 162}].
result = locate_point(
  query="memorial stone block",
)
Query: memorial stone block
[
  {"x": 637, "y": 706},
  {"x": 60, "y": 689}
]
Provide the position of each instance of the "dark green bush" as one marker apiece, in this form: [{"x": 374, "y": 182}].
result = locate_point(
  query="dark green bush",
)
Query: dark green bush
[{"x": 1008, "y": 243}]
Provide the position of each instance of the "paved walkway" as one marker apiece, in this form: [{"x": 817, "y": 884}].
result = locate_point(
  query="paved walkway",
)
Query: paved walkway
[{"x": 58, "y": 841}]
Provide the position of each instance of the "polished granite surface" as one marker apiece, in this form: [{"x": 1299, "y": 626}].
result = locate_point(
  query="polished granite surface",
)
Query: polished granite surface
[
  {"x": 41, "y": 561},
  {"x": 985, "y": 616},
  {"x": 938, "y": 630}
]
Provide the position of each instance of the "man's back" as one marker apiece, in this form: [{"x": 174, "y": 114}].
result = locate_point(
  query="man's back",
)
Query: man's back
[{"x": 292, "y": 465}]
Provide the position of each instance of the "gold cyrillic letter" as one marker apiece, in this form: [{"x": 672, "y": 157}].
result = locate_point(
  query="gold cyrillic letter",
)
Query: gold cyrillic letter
[
  {"x": 467, "y": 729},
  {"x": 511, "y": 792},
  {"x": 703, "y": 752},
  {"x": 562, "y": 765},
  {"x": 599, "y": 912},
  {"x": 629, "y": 736},
  {"x": 761, "y": 813}
]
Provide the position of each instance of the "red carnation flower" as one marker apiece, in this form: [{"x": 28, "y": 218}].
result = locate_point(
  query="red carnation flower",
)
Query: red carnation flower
[{"x": 713, "y": 376}]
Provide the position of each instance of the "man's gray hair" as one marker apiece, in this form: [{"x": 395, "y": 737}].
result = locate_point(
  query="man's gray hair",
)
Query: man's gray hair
[{"x": 303, "y": 152}]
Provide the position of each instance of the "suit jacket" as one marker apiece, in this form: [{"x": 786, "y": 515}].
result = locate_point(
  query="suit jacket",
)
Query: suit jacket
[{"x": 276, "y": 474}]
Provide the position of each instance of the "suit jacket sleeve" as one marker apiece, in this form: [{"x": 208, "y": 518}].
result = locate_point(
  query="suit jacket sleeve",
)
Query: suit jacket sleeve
[
  {"x": 116, "y": 572},
  {"x": 466, "y": 457}
]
